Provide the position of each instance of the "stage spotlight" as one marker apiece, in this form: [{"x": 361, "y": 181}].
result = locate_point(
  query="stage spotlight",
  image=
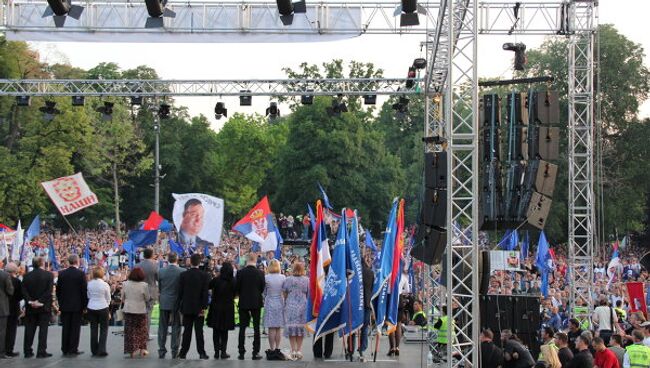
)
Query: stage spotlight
[
  {"x": 245, "y": 99},
  {"x": 420, "y": 63},
  {"x": 220, "y": 110},
  {"x": 157, "y": 11},
  {"x": 23, "y": 101},
  {"x": 136, "y": 100},
  {"x": 370, "y": 99},
  {"x": 307, "y": 99},
  {"x": 78, "y": 100},
  {"x": 408, "y": 12},
  {"x": 401, "y": 106},
  {"x": 164, "y": 111},
  {"x": 60, "y": 9},
  {"x": 520, "y": 53},
  {"x": 410, "y": 81},
  {"x": 288, "y": 9},
  {"x": 49, "y": 110},
  {"x": 337, "y": 108},
  {"x": 272, "y": 111},
  {"x": 106, "y": 110}
]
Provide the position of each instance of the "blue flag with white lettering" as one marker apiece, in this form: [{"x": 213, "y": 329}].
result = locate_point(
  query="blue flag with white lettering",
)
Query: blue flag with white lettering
[
  {"x": 352, "y": 308},
  {"x": 329, "y": 318},
  {"x": 383, "y": 276}
]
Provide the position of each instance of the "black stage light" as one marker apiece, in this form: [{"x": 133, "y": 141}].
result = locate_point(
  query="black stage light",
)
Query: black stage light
[
  {"x": 220, "y": 110},
  {"x": 272, "y": 111},
  {"x": 408, "y": 13},
  {"x": 164, "y": 111},
  {"x": 60, "y": 9},
  {"x": 288, "y": 9},
  {"x": 78, "y": 100},
  {"x": 136, "y": 100},
  {"x": 520, "y": 53},
  {"x": 23, "y": 100},
  {"x": 307, "y": 99},
  {"x": 49, "y": 110},
  {"x": 157, "y": 11},
  {"x": 106, "y": 110},
  {"x": 337, "y": 108},
  {"x": 410, "y": 82},
  {"x": 370, "y": 99},
  {"x": 245, "y": 99},
  {"x": 420, "y": 63},
  {"x": 401, "y": 106}
]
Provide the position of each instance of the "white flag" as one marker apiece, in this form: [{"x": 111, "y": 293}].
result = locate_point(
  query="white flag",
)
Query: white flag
[
  {"x": 70, "y": 193},
  {"x": 17, "y": 244}
]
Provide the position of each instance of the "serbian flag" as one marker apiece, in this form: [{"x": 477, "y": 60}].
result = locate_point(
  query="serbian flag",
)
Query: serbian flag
[
  {"x": 153, "y": 222},
  {"x": 637, "y": 297},
  {"x": 4, "y": 227},
  {"x": 258, "y": 226},
  {"x": 319, "y": 259}
]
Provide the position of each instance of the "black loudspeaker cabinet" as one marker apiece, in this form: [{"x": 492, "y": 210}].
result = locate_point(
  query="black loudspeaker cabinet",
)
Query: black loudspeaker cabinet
[
  {"x": 549, "y": 143},
  {"x": 60, "y": 7},
  {"x": 538, "y": 210},
  {"x": 523, "y": 142},
  {"x": 491, "y": 209},
  {"x": 434, "y": 208},
  {"x": 435, "y": 170},
  {"x": 516, "y": 108},
  {"x": 547, "y": 108},
  {"x": 430, "y": 244},
  {"x": 545, "y": 176},
  {"x": 518, "y": 313},
  {"x": 490, "y": 122},
  {"x": 155, "y": 8}
]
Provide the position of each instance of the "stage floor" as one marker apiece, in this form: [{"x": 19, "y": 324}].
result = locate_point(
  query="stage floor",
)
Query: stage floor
[{"x": 412, "y": 355}]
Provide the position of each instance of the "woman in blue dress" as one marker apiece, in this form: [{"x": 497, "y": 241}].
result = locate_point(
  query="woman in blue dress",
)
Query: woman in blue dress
[
  {"x": 296, "y": 288},
  {"x": 274, "y": 307}
]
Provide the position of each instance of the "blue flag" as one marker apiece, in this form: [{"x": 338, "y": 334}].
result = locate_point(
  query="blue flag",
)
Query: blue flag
[
  {"x": 329, "y": 318},
  {"x": 525, "y": 244},
  {"x": 52, "y": 253},
  {"x": 142, "y": 238},
  {"x": 510, "y": 240},
  {"x": 278, "y": 250},
  {"x": 326, "y": 199},
  {"x": 352, "y": 308},
  {"x": 312, "y": 217},
  {"x": 383, "y": 275},
  {"x": 175, "y": 247},
  {"x": 34, "y": 228},
  {"x": 86, "y": 256},
  {"x": 541, "y": 261},
  {"x": 370, "y": 244}
]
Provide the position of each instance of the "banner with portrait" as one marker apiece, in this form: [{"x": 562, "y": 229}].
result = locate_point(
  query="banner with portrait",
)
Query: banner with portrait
[
  {"x": 504, "y": 260},
  {"x": 198, "y": 219}
]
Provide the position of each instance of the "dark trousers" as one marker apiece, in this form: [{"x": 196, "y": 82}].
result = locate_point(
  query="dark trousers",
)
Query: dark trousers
[
  {"x": 363, "y": 345},
  {"x": 321, "y": 351},
  {"x": 189, "y": 321},
  {"x": 3, "y": 334},
  {"x": 42, "y": 321},
  {"x": 220, "y": 341},
  {"x": 98, "y": 320},
  {"x": 169, "y": 318},
  {"x": 12, "y": 328},
  {"x": 70, "y": 331},
  {"x": 245, "y": 317}
]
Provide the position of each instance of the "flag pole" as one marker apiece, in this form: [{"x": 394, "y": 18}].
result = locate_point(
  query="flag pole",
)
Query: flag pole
[
  {"x": 377, "y": 333},
  {"x": 69, "y": 224}
]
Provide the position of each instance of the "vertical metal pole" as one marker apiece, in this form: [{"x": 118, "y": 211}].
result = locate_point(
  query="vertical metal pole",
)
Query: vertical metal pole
[{"x": 156, "y": 180}]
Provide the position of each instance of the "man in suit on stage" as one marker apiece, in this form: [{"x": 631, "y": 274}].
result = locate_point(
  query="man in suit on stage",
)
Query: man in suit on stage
[
  {"x": 6, "y": 291},
  {"x": 14, "y": 309},
  {"x": 150, "y": 269},
  {"x": 249, "y": 285},
  {"x": 193, "y": 299},
  {"x": 37, "y": 292},
  {"x": 168, "y": 282},
  {"x": 72, "y": 295}
]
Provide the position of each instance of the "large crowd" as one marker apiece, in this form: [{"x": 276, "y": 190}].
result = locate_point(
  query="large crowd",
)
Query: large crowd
[{"x": 262, "y": 292}]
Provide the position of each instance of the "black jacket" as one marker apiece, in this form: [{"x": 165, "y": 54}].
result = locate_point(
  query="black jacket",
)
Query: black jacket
[
  {"x": 222, "y": 307},
  {"x": 193, "y": 291},
  {"x": 14, "y": 300},
  {"x": 249, "y": 286},
  {"x": 491, "y": 355},
  {"x": 368, "y": 282},
  {"x": 583, "y": 359},
  {"x": 38, "y": 285},
  {"x": 72, "y": 290}
]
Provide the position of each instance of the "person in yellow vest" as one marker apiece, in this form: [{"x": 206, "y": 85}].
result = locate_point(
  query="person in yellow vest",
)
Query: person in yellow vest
[
  {"x": 622, "y": 314},
  {"x": 419, "y": 318},
  {"x": 547, "y": 337},
  {"x": 637, "y": 355},
  {"x": 442, "y": 325}
]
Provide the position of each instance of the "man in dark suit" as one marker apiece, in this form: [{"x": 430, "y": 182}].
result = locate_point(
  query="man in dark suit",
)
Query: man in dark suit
[
  {"x": 193, "y": 299},
  {"x": 6, "y": 291},
  {"x": 249, "y": 285},
  {"x": 37, "y": 292},
  {"x": 168, "y": 282},
  {"x": 72, "y": 295},
  {"x": 150, "y": 269},
  {"x": 14, "y": 309}
]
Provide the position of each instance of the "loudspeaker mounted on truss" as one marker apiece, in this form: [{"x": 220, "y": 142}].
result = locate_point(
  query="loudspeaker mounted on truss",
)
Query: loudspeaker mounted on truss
[
  {"x": 59, "y": 10},
  {"x": 408, "y": 12},
  {"x": 287, "y": 9},
  {"x": 157, "y": 12}
]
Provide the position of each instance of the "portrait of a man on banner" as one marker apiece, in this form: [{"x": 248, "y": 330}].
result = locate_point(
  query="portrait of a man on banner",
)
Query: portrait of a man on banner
[{"x": 198, "y": 219}]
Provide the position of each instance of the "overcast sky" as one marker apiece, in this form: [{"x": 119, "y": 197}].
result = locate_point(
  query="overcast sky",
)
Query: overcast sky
[{"x": 393, "y": 53}]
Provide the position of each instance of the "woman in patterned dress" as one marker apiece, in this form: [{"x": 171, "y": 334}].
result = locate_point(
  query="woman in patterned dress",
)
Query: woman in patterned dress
[
  {"x": 296, "y": 288},
  {"x": 135, "y": 294},
  {"x": 274, "y": 307}
]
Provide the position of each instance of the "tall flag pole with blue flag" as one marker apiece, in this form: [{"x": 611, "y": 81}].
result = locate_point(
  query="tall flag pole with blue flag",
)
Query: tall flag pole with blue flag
[
  {"x": 329, "y": 319},
  {"x": 542, "y": 260},
  {"x": 86, "y": 264},
  {"x": 396, "y": 272},
  {"x": 352, "y": 307},
  {"x": 326, "y": 199},
  {"x": 525, "y": 245},
  {"x": 312, "y": 217},
  {"x": 34, "y": 228},
  {"x": 370, "y": 244},
  {"x": 319, "y": 258},
  {"x": 510, "y": 240},
  {"x": 54, "y": 262}
]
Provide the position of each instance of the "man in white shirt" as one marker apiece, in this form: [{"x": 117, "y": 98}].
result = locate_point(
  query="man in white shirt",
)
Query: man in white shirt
[{"x": 605, "y": 317}]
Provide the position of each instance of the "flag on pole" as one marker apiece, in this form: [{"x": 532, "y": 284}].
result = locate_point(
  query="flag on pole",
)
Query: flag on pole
[
  {"x": 153, "y": 222},
  {"x": 624, "y": 242},
  {"x": 4, "y": 251},
  {"x": 70, "y": 193},
  {"x": 396, "y": 272},
  {"x": 510, "y": 240},
  {"x": 175, "y": 247},
  {"x": 17, "y": 245},
  {"x": 34, "y": 228},
  {"x": 637, "y": 301},
  {"x": 86, "y": 256},
  {"x": 329, "y": 318},
  {"x": 312, "y": 217},
  {"x": 318, "y": 260},
  {"x": 542, "y": 261},
  {"x": 52, "y": 253},
  {"x": 525, "y": 244},
  {"x": 326, "y": 199},
  {"x": 352, "y": 308},
  {"x": 615, "y": 249},
  {"x": 258, "y": 226},
  {"x": 384, "y": 274}
]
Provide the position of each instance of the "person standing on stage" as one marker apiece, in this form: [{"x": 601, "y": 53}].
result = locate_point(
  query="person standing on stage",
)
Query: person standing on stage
[
  {"x": 221, "y": 317},
  {"x": 168, "y": 282},
  {"x": 368, "y": 282},
  {"x": 14, "y": 309},
  {"x": 150, "y": 269},
  {"x": 37, "y": 292},
  {"x": 135, "y": 296},
  {"x": 296, "y": 288},
  {"x": 249, "y": 285},
  {"x": 6, "y": 291},
  {"x": 72, "y": 295},
  {"x": 193, "y": 301},
  {"x": 274, "y": 308},
  {"x": 99, "y": 298}
]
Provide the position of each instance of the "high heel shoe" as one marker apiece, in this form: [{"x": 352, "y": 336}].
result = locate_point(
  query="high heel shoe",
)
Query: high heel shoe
[
  {"x": 396, "y": 351},
  {"x": 143, "y": 353},
  {"x": 391, "y": 353}
]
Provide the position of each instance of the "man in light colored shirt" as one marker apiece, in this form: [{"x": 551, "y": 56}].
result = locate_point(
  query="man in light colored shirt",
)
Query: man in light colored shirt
[{"x": 605, "y": 317}]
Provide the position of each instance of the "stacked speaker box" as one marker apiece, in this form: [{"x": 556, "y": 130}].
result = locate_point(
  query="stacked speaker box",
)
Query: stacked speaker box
[
  {"x": 431, "y": 237},
  {"x": 491, "y": 209}
]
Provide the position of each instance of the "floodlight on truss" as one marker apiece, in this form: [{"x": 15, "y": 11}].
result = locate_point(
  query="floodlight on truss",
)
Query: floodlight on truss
[
  {"x": 106, "y": 110},
  {"x": 49, "y": 110},
  {"x": 59, "y": 10},
  {"x": 220, "y": 110},
  {"x": 408, "y": 13},
  {"x": 273, "y": 112},
  {"x": 287, "y": 10},
  {"x": 157, "y": 12}
]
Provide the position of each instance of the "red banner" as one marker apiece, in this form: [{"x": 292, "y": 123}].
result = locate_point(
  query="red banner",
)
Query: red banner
[{"x": 636, "y": 294}]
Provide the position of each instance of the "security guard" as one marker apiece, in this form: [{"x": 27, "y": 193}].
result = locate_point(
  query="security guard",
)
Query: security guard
[
  {"x": 637, "y": 355},
  {"x": 419, "y": 318}
]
